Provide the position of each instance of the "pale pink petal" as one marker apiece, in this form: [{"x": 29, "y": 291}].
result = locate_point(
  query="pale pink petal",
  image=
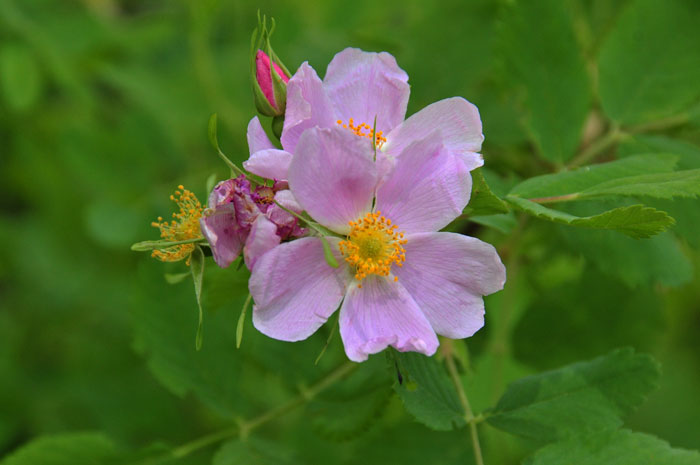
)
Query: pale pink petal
[
  {"x": 380, "y": 314},
  {"x": 427, "y": 189},
  {"x": 261, "y": 239},
  {"x": 307, "y": 106},
  {"x": 286, "y": 199},
  {"x": 447, "y": 274},
  {"x": 333, "y": 176},
  {"x": 295, "y": 290},
  {"x": 225, "y": 237},
  {"x": 257, "y": 138},
  {"x": 269, "y": 163},
  {"x": 363, "y": 85},
  {"x": 457, "y": 120}
]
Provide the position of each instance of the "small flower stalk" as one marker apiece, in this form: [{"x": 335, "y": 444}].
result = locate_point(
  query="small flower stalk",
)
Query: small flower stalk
[{"x": 269, "y": 75}]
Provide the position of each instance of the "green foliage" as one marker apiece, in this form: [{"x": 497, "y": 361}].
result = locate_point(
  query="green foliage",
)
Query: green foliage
[
  {"x": 577, "y": 399},
  {"x": 620, "y": 447},
  {"x": 483, "y": 201},
  {"x": 635, "y": 221},
  {"x": 20, "y": 77},
  {"x": 544, "y": 58},
  {"x": 649, "y": 66},
  {"x": 253, "y": 451},
  {"x": 64, "y": 449},
  {"x": 427, "y": 392}
]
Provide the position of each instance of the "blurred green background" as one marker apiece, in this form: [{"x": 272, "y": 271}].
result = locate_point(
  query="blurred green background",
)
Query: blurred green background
[{"x": 103, "y": 112}]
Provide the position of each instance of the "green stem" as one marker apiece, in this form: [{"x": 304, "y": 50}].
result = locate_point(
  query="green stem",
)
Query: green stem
[
  {"x": 556, "y": 198},
  {"x": 246, "y": 427},
  {"x": 659, "y": 125},
  {"x": 145, "y": 246},
  {"x": 468, "y": 413},
  {"x": 599, "y": 146}
]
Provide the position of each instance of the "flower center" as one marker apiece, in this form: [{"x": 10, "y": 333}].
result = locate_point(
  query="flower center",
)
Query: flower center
[
  {"x": 184, "y": 226},
  {"x": 360, "y": 131},
  {"x": 372, "y": 246}
]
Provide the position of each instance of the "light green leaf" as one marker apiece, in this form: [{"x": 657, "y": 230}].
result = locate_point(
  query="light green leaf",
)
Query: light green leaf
[
  {"x": 20, "y": 76},
  {"x": 197, "y": 269},
  {"x": 543, "y": 57},
  {"x": 689, "y": 154},
  {"x": 660, "y": 186},
  {"x": 427, "y": 392},
  {"x": 621, "y": 447},
  {"x": 636, "y": 221},
  {"x": 583, "y": 397},
  {"x": 241, "y": 321},
  {"x": 649, "y": 67},
  {"x": 64, "y": 449},
  {"x": 581, "y": 179},
  {"x": 483, "y": 201}
]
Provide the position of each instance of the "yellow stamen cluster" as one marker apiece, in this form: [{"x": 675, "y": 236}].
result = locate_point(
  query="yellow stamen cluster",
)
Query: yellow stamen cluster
[
  {"x": 360, "y": 131},
  {"x": 373, "y": 245},
  {"x": 183, "y": 226}
]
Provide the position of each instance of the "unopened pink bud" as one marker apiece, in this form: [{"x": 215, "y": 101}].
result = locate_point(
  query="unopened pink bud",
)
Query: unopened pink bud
[{"x": 264, "y": 77}]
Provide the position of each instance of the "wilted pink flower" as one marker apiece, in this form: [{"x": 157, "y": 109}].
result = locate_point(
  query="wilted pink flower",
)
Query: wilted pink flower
[
  {"x": 359, "y": 87},
  {"x": 239, "y": 218},
  {"x": 399, "y": 281}
]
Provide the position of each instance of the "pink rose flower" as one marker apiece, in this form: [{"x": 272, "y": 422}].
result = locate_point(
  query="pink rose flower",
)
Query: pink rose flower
[{"x": 399, "y": 281}]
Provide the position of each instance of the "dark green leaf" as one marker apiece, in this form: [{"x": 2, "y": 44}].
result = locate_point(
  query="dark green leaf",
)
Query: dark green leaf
[
  {"x": 650, "y": 66},
  {"x": 583, "y": 397},
  {"x": 543, "y": 57},
  {"x": 621, "y": 447},
  {"x": 253, "y": 451},
  {"x": 64, "y": 449},
  {"x": 636, "y": 221},
  {"x": 427, "y": 392}
]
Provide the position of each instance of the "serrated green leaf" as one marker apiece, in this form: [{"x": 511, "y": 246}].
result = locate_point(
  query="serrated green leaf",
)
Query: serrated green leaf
[
  {"x": 689, "y": 154},
  {"x": 621, "y": 447},
  {"x": 20, "y": 76},
  {"x": 544, "y": 58},
  {"x": 483, "y": 201},
  {"x": 581, "y": 179},
  {"x": 635, "y": 221},
  {"x": 660, "y": 186},
  {"x": 64, "y": 449},
  {"x": 427, "y": 392},
  {"x": 583, "y": 397},
  {"x": 649, "y": 67}
]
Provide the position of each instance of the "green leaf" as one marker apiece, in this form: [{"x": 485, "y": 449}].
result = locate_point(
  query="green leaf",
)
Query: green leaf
[
  {"x": 253, "y": 451},
  {"x": 176, "y": 278},
  {"x": 328, "y": 253},
  {"x": 649, "y": 67},
  {"x": 579, "y": 398},
  {"x": 64, "y": 449},
  {"x": 621, "y": 447},
  {"x": 689, "y": 154},
  {"x": 544, "y": 58},
  {"x": 588, "y": 177},
  {"x": 635, "y": 221},
  {"x": 241, "y": 321},
  {"x": 20, "y": 76},
  {"x": 197, "y": 269},
  {"x": 483, "y": 201},
  {"x": 348, "y": 418},
  {"x": 427, "y": 392}
]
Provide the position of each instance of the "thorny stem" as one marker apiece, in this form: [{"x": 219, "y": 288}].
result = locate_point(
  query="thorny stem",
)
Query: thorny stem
[
  {"x": 468, "y": 414},
  {"x": 246, "y": 427}
]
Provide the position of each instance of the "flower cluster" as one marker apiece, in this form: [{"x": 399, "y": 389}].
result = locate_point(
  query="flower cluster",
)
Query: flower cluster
[{"x": 352, "y": 178}]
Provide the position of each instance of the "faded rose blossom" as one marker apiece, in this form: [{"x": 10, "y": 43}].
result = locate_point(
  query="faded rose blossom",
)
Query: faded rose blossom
[
  {"x": 399, "y": 281},
  {"x": 240, "y": 218},
  {"x": 359, "y": 87}
]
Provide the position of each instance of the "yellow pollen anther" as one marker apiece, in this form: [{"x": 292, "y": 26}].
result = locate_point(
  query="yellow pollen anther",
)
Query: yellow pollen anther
[
  {"x": 373, "y": 246},
  {"x": 184, "y": 226},
  {"x": 364, "y": 130}
]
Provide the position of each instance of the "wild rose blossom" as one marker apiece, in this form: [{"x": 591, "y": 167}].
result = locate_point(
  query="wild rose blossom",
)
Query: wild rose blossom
[
  {"x": 241, "y": 218},
  {"x": 399, "y": 281},
  {"x": 359, "y": 87}
]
